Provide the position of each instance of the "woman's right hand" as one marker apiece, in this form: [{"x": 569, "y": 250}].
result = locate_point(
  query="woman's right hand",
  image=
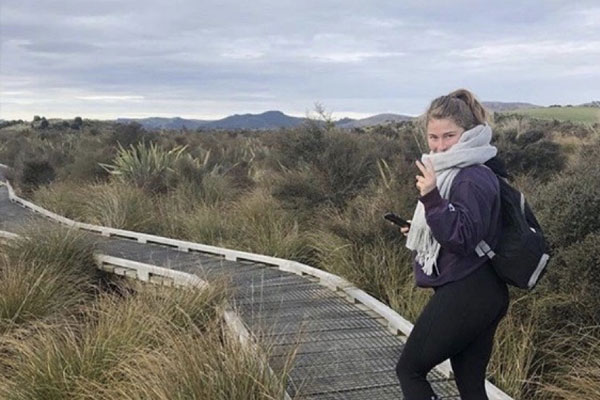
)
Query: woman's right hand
[{"x": 404, "y": 230}]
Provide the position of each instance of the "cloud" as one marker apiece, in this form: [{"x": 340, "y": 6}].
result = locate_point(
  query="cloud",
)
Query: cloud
[
  {"x": 353, "y": 57},
  {"x": 499, "y": 52},
  {"x": 110, "y": 98},
  {"x": 59, "y": 47},
  {"x": 216, "y": 57},
  {"x": 555, "y": 57}
]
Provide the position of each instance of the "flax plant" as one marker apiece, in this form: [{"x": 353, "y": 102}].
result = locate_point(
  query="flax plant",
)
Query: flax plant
[{"x": 145, "y": 166}]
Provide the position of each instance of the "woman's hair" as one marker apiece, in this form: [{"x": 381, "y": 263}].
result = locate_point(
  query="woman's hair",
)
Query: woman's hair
[{"x": 461, "y": 106}]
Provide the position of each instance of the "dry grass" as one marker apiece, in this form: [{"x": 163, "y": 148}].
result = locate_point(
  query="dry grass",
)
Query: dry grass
[{"x": 156, "y": 343}]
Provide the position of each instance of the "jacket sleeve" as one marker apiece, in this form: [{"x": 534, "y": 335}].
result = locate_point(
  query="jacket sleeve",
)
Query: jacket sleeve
[{"x": 462, "y": 221}]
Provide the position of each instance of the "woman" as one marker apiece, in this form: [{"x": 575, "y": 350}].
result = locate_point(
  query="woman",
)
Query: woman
[{"x": 459, "y": 206}]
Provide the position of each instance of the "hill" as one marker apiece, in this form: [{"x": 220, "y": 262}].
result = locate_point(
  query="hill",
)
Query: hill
[
  {"x": 266, "y": 120},
  {"x": 379, "y": 119},
  {"x": 567, "y": 113},
  {"x": 499, "y": 106}
]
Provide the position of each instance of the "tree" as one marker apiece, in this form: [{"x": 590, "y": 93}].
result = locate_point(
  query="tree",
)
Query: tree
[{"x": 77, "y": 123}]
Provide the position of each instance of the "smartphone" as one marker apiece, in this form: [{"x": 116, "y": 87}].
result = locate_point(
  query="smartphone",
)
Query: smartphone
[{"x": 390, "y": 216}]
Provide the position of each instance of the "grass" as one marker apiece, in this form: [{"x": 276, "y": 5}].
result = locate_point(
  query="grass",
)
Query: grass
[
  {"x": 159, "y": 343},
  {"x": 589, "y": 115},
  {"x": 270, "y": 202},
  {"x": 61, "y": 340},
  {"x": 49, "y": 272},
  {"x": 575, "y": 358}
]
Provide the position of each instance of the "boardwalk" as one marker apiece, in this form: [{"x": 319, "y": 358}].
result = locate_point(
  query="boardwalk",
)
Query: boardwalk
[{"x": 344, "y": 350}]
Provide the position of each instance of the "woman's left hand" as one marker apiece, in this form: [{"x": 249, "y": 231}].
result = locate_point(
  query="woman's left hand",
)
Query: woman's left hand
[{"x": 428, "y": 181}]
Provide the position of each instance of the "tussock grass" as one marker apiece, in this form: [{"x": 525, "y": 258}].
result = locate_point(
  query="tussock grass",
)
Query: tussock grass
[
  {"x": 32, "y": 291},
  {"x": 260, "y": 225},
  {"x": 68, "y": 249},
  {"x": 575, "y": 361},
  {"x": 120, "y": 206},
  {"x": 154, "y": 343},
  {"x": 317, "y": 195},
  {"x": 44, "y": 273},
  {"x": 116, "y": 205},
  {"x": 64, "y": 198},
  {"x": 514, "y": 347}
]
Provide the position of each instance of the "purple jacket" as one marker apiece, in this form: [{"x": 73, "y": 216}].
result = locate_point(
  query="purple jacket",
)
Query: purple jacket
[{"x": 471, "y": 213}]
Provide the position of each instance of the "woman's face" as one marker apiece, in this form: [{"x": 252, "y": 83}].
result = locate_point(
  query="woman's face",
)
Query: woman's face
[{"x": 442, "y": 134}]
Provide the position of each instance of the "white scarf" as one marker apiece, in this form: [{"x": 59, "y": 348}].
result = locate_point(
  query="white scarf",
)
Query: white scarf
[{"x": 473, "y": 147}]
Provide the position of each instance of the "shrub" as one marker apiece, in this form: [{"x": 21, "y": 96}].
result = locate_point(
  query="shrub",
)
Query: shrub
[
  {"x": 35, "y": 173},
  {"x": 296, "y": 146},
  {"x": 576, "y": 270},
  {"x": 346, "y": 166},
  {"x": 530, "y": 153},
  {"x": 86, "y": 162},
  {"x": 569, "y": 207},
  {"x": 128, "y": 135},
  {"x": 299, "y": 189}
]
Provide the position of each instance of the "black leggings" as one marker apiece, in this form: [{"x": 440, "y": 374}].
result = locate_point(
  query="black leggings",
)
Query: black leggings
[{"x": 458, "y": 323}]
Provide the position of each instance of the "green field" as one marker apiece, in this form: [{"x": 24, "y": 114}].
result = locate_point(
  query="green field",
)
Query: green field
[{"x": 574, "y": 114}]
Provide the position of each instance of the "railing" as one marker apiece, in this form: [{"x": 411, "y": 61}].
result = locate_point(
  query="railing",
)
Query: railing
[{"x": 394, "y": 321}]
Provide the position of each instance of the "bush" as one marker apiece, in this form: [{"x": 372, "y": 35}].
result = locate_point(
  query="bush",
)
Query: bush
[
  {"x": 346, "y": 165},
  {"x": 34, "y": 174},
  {"x": 86, "y": 162},
  {"x": 299, "y": 189},
  {"x": 128, "y": 135},
  {"x": 569, "y": 207},
  {"x": 530, "y": 153},
  {"x": 576, "y": 271},
  {"x": 297, "y": 146}
]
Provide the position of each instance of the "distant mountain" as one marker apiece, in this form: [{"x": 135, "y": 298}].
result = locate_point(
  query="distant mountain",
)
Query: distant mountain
[
  {"x": 344, "y": 121},
  {"x": 499, "y": 106},
  {"x": 165, "y": 123},
  {"x": 266, "y": 120},
  {"x": 379, "y": 119},
  {"x": 277, "y": 119}
]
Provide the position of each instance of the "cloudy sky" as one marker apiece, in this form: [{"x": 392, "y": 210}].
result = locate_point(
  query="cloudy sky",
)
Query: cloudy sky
[{"x": 208, "y": 59}]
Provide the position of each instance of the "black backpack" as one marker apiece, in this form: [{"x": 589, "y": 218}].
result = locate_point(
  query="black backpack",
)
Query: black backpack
[{"x": 522, "y": 254}]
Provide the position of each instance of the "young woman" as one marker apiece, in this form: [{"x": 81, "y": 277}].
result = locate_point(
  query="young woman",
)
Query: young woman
[{"x": 459, "y": 205}]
